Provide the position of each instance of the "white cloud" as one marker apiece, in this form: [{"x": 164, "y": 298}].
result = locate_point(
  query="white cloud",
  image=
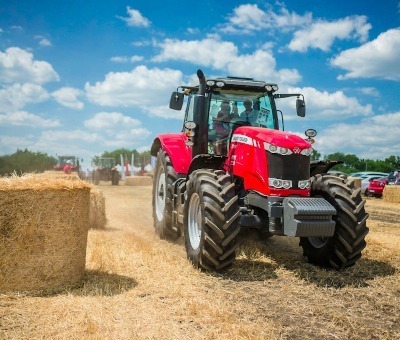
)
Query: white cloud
[
  {"x": 247, "y": 18},
  {"x": 369, "y": 91},
  {"x": 17, "y": 65},
  {"x": 140, "y": 87},
  {"x": 163, "y": 111},
  {"x": 326, "y": 106},
  {"x": 123, "y": 59},
  {"x": 116, "y": 129},
  {"x": 68, "y": 97},
  {"x": 135, "y": 18},
  {"x": 42, "y": 40},
  {"x": 119, "y": 59},
  {"x": 373, "y": 137},
  {"x": 111, "y": 120},
  {"x": 16, "y": 96},
  {"x": 224, "y": 56},
  {"x": 23, "y": 118},
  {"x": 322, "y": 34},
  {"x": 378, "y": 58}
]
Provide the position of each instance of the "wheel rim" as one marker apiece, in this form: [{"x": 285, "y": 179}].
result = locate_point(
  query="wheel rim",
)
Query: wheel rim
[
  {"x": 194, "y": 221},
  {"x": 160, "y": 195},
  {"x": 318, "y": 242}
]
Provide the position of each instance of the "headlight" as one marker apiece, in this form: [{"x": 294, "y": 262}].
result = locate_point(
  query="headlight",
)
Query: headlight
[
  {"x": 304, "y": 184},
  {"x": 220, "y": 84},
  {"x": 283, "y": 151},
  {"x": 268, "y": 87},
  {"x": 272, "y": 148},
  {"x": 275, "y": 87},
  {"x": 306, "y": 152},
  {"x": 210, "y": 82},
  {"x": 279, "y": 183},
  {"x": 286, "y": 184},
  {"x": 277, "y": 149}
]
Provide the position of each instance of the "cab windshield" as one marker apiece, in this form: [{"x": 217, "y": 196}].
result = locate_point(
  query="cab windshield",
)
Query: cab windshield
[{"x": 229, "y": 110}]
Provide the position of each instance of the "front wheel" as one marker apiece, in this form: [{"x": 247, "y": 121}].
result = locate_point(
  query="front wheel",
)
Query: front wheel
[
  {"x": 164, "y": 178},
  {"x": 211, "y": 220},
  {"x": 344, "y": 248}
]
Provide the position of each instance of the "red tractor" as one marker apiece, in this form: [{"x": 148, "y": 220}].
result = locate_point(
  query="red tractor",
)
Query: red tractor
[
  {"x": 232, "y": 169},
  {"x": 62, "y": 161},
  {"x": 106, "y": 170}
]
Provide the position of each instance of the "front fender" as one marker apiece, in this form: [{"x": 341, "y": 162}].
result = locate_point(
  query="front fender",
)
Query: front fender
[
  {"x": 322, "y": 166},
  {"x": 174, "y": 145}
]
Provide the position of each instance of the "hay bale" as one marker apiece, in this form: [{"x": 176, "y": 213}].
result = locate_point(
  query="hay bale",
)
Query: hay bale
[
  {"x": 357, "y": 181},
  {"x": 138, "y": 180},
  {"x": 391, "y": 193},
  {"x": 97, "y": 216},
  {"x": 43, "y": 232}
]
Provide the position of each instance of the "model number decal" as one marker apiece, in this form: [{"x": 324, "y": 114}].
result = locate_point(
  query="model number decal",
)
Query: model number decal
[{"x": 242, "y": 139}]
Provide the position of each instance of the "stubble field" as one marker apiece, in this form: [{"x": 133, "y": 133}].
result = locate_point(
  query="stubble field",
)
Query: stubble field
[{"x": 139, "y": 287}]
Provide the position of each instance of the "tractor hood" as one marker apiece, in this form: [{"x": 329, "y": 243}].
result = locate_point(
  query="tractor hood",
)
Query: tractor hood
[{"x": 263, "y": 138}]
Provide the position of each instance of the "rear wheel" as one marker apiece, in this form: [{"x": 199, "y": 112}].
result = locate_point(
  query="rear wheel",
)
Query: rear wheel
[
  {"x": 344, "y": 248},
  {"x": 211, "y": 219},
  {"x": 115, "y": 178},
  {"x": 164, "y": 178},
  {"x": 96, "y": 177}
]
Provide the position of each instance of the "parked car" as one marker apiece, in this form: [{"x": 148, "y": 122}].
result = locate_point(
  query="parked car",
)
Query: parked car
[
  {"x": 376, "y": 186},
  {"x": 365, "y": 180},
  {"x": 392, "y": 177},
  {"x": 368, "y": 173},
  {"x": 337, "y": 173}
]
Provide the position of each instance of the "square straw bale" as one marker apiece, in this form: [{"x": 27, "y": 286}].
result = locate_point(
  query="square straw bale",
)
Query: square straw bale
[
  {"x": 43, "y": 232},
  {"x": 97, "y": 216},
  {"x": 391, "y": 193},
  {"x": 138, "y": 180}
]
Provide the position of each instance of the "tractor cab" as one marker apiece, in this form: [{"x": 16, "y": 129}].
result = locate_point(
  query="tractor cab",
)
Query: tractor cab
[
  {"x": 229, "y": 103},
  {"x": 62, "y": 161}
]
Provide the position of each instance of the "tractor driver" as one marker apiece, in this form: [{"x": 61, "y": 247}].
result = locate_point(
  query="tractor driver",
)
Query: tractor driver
[
  {"x": 249, "y": 114},
  {"x": 222, "y": 127},
  {"x": 68, "y": 167}
]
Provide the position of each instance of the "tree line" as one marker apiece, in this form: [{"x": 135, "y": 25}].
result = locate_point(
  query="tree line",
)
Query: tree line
[{"x": 25, "y": 161}]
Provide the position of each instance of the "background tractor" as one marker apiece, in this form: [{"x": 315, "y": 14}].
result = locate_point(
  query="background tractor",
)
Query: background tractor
[
  {"x": 62, "y": 160},
  {"x": 231, "y": 169},
  {"x": 106, "y": 171}
]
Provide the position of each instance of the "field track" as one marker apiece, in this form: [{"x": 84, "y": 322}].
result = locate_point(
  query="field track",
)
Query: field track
[{"x": 138, "y": 287}]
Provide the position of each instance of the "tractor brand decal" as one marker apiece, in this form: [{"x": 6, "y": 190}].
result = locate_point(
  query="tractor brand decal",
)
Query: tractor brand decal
[
  {"x": 242, "y": 139},
  {"x": 296, "y": 150}
]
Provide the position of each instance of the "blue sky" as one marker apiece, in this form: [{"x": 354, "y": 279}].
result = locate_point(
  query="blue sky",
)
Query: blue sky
[{"x": 84, "y": 77}]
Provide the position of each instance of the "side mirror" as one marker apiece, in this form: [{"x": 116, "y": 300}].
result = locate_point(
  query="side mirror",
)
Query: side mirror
[
  {"x": 176, "y": 101},
  {"x": 301, "y": 107}
]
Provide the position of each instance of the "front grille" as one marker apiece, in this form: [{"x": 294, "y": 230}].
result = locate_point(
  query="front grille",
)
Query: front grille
[{"x": 294, "y": 167}]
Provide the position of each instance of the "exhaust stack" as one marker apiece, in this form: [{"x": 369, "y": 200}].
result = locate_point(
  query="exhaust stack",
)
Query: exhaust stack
[{"x": 200, "y": 117}]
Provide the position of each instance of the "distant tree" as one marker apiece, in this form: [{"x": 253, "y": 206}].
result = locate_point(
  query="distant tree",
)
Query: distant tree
[
  {"x": 139, "y": 157},
  {"x": 315, "y": 155},
  {"x": 25, "y": 161}
]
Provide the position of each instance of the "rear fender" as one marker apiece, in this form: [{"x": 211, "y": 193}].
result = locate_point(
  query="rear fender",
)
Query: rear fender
[{"x": 174, "y": 145}]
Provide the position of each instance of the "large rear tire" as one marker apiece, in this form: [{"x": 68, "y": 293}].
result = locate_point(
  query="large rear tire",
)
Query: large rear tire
[
  {"x": 96, "y": 177},
  {"x": 164, "y": 178},
  {"x": 211, "y": 220},
  {"x": 344, "y": 248}
]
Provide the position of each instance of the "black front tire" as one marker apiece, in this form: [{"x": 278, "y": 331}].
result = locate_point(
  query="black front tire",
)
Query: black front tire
[
  {"x": 164, "y": 178},
  {"x": 211, "y": 220},
  {"x": 344, "y": 248}
]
